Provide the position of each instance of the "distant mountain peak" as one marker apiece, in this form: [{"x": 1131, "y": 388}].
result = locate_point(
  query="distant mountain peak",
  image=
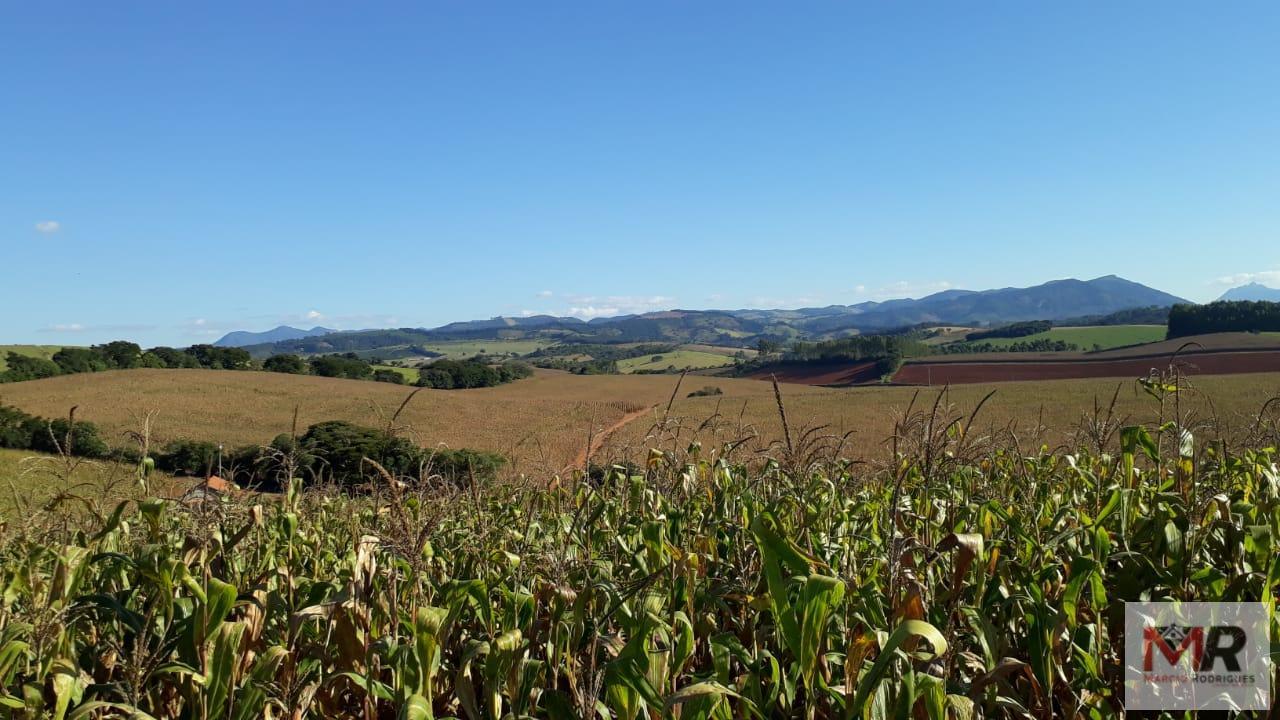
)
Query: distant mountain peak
[
  {"x": 244, "y": 338},
  {"x": 1252, "y": 291}
]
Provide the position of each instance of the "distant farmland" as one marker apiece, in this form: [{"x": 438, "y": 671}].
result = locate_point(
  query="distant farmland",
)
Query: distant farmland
[
  {"x": 1103, "y": 336},
  {"x": 678, "y": 359}
]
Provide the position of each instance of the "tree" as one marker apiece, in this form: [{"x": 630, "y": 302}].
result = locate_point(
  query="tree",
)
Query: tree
[
  {"x": 389, "y": 376},
  {"x": 341, "y": 366},
  {"x": 220, "y": 358},
  {"x": 121, "y": 354},
  {"x": 767, "y": 347},
  {"x": 60, "y": 435},
  {"x": 23, "y": 367},
  {"x": 291, "y": 364},
  {"x": 80, "y": 360},
  {"x": 173, "y": 358}
]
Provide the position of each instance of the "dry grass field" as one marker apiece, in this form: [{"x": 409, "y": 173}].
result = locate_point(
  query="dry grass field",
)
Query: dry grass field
[
  {"x": 542, "y": 422},
  {"x": 1048, "y": 412}
]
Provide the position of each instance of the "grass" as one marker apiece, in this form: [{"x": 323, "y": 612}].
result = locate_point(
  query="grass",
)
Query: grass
[
  {"x": 1105, "y": 336},
  {"x": 31, "y": 480},
  {"x": 679, "y": 359},
  {"x": 41, "y": 351}
]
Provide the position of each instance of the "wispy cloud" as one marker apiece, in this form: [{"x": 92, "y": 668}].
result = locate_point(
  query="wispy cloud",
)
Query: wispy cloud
[
  {"x": 48, "y": 227},
  {"x": 75, "y": 327},
  {"x": 545, "y": 293},
  {"x": 765, "y": 302},
  {"x": 1264, "y": 277},
  {"x": 592, "y": 306},
  {"x": 902, "y": 289}
]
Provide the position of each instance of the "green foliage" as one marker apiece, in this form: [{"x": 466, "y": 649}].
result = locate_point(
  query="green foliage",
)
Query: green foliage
[
  {"x": 24, "y": 367},
  {"x": 341, "y": 366},
  {"x": 1224, "y": 316},
  {"x": 290, "y": 364},
  {"x": 1038, "y": 345},
  {"x": 78, "y": 360},
  {"x": 463, "y": 374},
  {"x": 173, "y": 358},
  {"x": 708, "y": 391},
  {"x": 386, "y": 375},
  {"x": 221, "y": 358},
  {"x": 61, "y": 436},
  {"x": 120, "y": 354},
  {"x": 187, "y": 457},
  {"x": 1013, "y": 330}
]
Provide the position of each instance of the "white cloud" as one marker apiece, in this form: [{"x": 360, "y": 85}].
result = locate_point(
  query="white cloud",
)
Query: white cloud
[
  {"x": 785, "y": 303},
  {"x": 69, "y": 327},
  {"x": 591, "y": 306},
  {"x": 591, "y": 311},
  {"x": 1265, "y": 277},
  {"x": 199, "y": 321},
  {"x": 545, "y": 293},
  {"x": 903, "y": 289},
  {"x": 48, "y": 227},
  {"x": 314, "y": 315}
]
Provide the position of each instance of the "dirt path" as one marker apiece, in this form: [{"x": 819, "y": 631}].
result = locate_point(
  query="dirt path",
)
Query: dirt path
[{"x": 599, "y": 439}]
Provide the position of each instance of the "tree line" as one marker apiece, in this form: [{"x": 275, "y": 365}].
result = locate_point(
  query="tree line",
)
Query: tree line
[
  {"x": 123, "y": 355},
  {"x": 333, "y": 451},
  {"x": 1012, "y": 330},
  {"x": 1224, "y": 316}
]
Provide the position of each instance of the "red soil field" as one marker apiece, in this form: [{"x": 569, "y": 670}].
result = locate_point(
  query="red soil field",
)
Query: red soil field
[
  {"x": 1207, "y": 363},
  {"x": 824, "y": 374}
]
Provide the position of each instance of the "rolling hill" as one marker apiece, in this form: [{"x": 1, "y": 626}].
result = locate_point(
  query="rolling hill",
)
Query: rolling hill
[{"x": 1056, "y": 300}]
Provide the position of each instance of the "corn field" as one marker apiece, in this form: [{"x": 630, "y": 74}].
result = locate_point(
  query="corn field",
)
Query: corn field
[{"x": 963, "y": 577}]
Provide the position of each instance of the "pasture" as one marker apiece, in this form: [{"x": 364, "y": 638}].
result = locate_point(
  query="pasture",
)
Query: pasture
[{"x": 679, "y": 360}]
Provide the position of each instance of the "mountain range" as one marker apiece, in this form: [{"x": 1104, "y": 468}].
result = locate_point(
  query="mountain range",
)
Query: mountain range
[
  {"x": 1056, "y": 300},
  {"x": 1252, "y": 291},
  {"x": 243, "y": 338}
]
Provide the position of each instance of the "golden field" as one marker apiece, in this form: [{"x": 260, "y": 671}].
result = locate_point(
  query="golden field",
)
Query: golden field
[{"x": 543, "y": 423}]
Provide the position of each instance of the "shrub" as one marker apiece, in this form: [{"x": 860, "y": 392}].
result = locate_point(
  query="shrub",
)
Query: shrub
[
  {"x": 389, "y": 376},
  {"x": 707, "y": 391},
  {"x": 187, "y": 457},
  {"x": 51, "y": 436},
  {"x": 290, "y": 364}
]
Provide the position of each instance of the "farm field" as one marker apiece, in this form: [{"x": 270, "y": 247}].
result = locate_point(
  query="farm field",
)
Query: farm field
[
  {"x": 41, "y": 351},
  {"x": 543, "y": 423},
  {"x": 404, "y": 602},
  {"x": 1103, "y": 336},
  {"x": 679, "y": 359}
]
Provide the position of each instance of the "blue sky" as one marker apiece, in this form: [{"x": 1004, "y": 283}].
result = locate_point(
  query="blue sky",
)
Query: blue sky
[{"x": 170, "y": 171}]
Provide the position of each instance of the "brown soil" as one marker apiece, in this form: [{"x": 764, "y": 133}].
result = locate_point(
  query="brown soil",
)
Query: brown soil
[
  {"x": 1204, "y": 363},
  {"x": 830, "y": 374}
]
